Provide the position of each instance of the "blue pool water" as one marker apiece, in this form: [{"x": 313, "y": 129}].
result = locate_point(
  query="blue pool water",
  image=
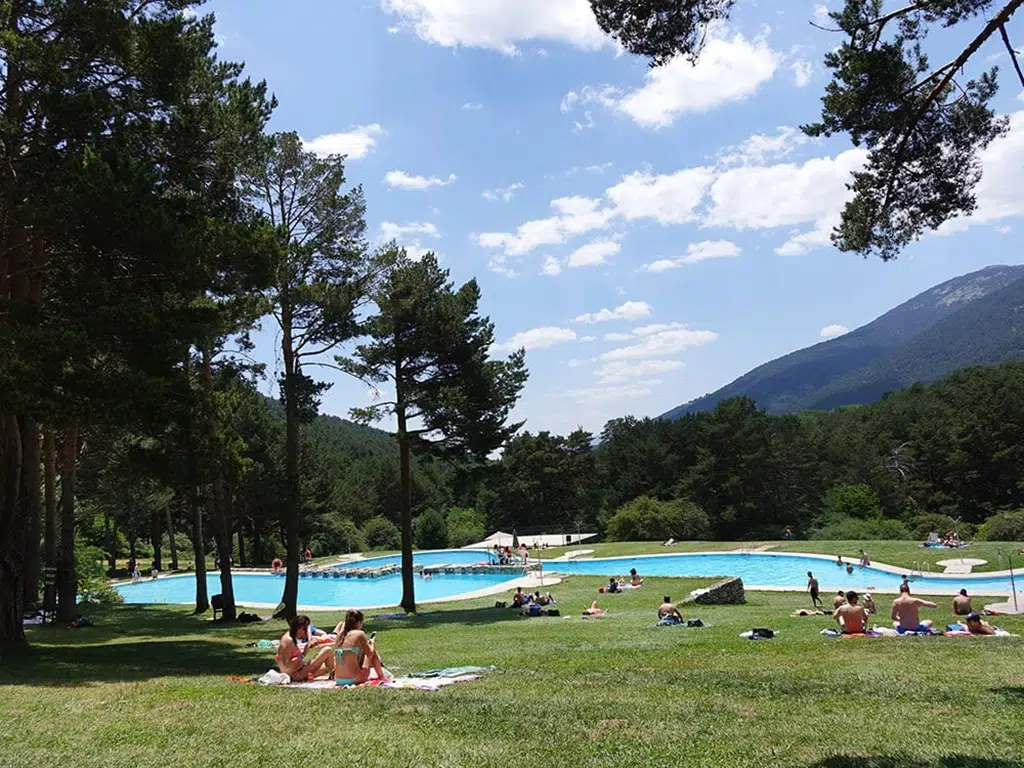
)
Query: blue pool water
[
  {"x": 775, "y": 571},
  {"x": 340, "y": 592}
]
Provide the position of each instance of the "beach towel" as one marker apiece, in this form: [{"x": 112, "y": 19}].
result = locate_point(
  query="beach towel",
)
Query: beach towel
[
  {"x": 803, "y": 612},
  {"x": 837, "y": 633},
  {"x": 960, "y": 630},
  {"x": 432, "y": 682}
]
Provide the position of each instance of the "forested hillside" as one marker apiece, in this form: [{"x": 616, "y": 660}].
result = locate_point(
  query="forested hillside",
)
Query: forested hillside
[{"x": 955, "y": 324}]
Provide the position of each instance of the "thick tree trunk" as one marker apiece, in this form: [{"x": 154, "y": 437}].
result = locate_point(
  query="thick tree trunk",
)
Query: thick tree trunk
[
  {"x": 67, "y": 579},
  {"x": 50, "y": 498},
  {"x": 156, "y": 535},
  {"x": 12, "y": 540},
  {"x": 198, "y": 549},
  {"x": 241, "y": 544},
  {"x": 31, "y": 507},
  {"x": 290, "y": 597},
  {"x": 404, "y": 458},
  {"x": 221, "y": 524},
  {"x": 170, "y": 537}
]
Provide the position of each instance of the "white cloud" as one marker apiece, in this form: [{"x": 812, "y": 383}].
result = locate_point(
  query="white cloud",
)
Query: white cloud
[
  {"x": 1004, "y": 230},
  {"x": 697, "y": 252},
  {"x": 415, "y": 251},
  {"x": 669, "y": 199},
  {"x": 821, "y": 15},
  {"x": 391, "y": 231},
  {"x": 766, "y": 197},
  {"x": 660, "y": 343},
  {"x": 760, "y": 147},
  {"x": 631, "y": 310},
  {"x": 727, "y": 70},
  {"x": 593, "y": 254},
  {"x": 499, "y": 25},
  {"x": 819, "y": 236},
  {"x": 831, "y": 331},
  {"x": 624, "y": 370},
  {"x": 618, "y": 337},
  {"x": 1000, "y": 193},
  {"x": 472, "y": 106},
  {"x": 537, "y": 338},
  {"x": 505, "y": 194},
  {"x": 403, "y": 180},
  {"x": 573, "y": 216},
  {"x": 356, "y": 143},
  {"x": 802, "y": 71},
  {"x": 623, "y": 392},
  {"x": 552, "y": 267},
  {"x": 498, "y": 266}
]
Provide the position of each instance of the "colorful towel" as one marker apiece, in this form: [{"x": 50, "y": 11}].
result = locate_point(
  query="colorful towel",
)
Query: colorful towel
[
  {"x": 415, "y": 682},
  {"x": 837, "y": 633}
]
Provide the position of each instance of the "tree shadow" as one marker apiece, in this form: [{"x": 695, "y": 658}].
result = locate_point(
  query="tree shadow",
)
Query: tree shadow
[
  {"x": 468, "y": 616},
  {"x": 904, "y": 761},
  {"x": 1015, "y": 693}
]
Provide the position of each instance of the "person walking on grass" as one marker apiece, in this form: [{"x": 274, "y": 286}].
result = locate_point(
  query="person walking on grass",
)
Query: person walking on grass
[{"x": 812, "y": 587}]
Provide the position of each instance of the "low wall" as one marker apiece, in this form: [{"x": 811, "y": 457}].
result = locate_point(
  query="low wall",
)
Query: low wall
[{"x": 725, "y": 592}]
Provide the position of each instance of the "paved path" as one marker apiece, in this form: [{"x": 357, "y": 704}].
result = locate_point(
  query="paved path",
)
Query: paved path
[{"x": 961, "y": 565}]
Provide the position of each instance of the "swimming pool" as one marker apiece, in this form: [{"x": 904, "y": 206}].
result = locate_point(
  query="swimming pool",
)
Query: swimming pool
[
  {"x": 328, "y": 592},
  {"x": 779, "y": 570},
  {"x": 433, "y": 557}
]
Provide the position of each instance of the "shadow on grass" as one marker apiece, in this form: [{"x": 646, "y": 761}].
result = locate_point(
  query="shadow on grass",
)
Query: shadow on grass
[
  {"x": 467, "y": 616},
  {"x": 74, "y": 665},
  {"x": 948, "y": 761},
  {"x": 1014, "y": 693}
]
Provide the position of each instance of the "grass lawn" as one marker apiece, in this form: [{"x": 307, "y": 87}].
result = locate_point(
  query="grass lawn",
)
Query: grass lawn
[
  {"x": 147, "y": 686},
  {"x": 904, "y": 554}
]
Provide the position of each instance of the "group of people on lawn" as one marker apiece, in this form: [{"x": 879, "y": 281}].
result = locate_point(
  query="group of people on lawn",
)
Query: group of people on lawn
[
  {"x": 852, "y": 613},
  {"x": 349, "y": 655}
]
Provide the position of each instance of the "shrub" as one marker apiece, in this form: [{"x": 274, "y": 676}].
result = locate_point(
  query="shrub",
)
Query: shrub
[
  {"x": 429, "y": 530},
  {"x": 851, "y": 529},
  {"x": 922, "y": 525},
  {"x": 1005, "y": 526},
  {"x": 336, "y": 535},
  {"x": 92, "y": 577},
  {"x": 381, "y": 533},
  {"x": 852, "y": 501},
  {"x": 465, "y": 526},
  {"x": 647, "y": 519}
]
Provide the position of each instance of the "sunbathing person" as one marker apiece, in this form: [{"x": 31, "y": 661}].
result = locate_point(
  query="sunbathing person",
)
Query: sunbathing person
[
  {"x": 852, "y": 618},
  {"x": 978, "y": 627},
  {"x": 593, "y": 610},
  {"x": 668, "y": 610},
  {"x": 634, "y": 578},
  {"x": 519, "y": 599},
  {"x": 839, "y": 599},
  {"x": 292, "y": 649},
  {"x": 356, "y": 653},
  {"x": 869, "y": 604},
  {"x": 613, "y": 585},
  {"x": 962, "y": 604},
  {"x": 905, "y": 612}
]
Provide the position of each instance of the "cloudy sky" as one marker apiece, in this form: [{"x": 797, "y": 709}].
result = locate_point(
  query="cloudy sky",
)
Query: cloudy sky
[{"x": 647, "y": 235}]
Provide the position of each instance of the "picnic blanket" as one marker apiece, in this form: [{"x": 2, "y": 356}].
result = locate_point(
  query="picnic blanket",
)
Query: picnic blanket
[
  {"x": 837, "y": 633},
  {"x": 431, "y": 680}
]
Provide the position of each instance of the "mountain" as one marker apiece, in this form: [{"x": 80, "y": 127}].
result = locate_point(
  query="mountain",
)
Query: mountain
[{"x": 974, "y": 319}]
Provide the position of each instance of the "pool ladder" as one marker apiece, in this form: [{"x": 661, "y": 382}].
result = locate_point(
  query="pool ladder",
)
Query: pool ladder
[{"x": 920, "y": 568}]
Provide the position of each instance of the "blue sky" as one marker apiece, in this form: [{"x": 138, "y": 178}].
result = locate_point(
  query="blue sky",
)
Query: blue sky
[{"x": 648, "y": 236}]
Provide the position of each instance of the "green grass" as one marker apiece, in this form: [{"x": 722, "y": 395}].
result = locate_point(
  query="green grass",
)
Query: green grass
[
  {"x": 147, "y": 686},
  {"x": 904, "y": 554}
]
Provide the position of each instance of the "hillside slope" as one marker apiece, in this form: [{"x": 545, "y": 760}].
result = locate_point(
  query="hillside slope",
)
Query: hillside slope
[{"x": 920, "y": 340}]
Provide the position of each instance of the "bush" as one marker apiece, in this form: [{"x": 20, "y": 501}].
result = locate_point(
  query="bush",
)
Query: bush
[
  {"x": 1005, "y": 526},
  {"x": 336, "y": 535},
  {"x": 181, "y": 541},
  {"x": 92, "y": 577},
  {"x": 922, "y": 525},
  {"x": 852, "y": 501},
  {"x": 381, "y": 533},
  {"x": 647, "y": 519},
  {"x": 465, "y": 526},
  {"x": 850, "y": 529},
  {"x": 429, "y": 530}
]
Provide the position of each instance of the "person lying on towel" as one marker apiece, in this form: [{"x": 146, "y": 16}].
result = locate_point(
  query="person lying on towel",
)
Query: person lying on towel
[
  {"x": 851, "y": 617},
  {"x": 978, "y": 627},
  {"x": 905, "y": 615}
]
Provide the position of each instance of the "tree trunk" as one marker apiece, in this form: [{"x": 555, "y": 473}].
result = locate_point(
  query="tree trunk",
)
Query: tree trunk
[
  {"x": 257, "y": 546},
  {"x": 110, "y": 526},
  {"x": 405, "y": 506},
  {"x": 221, "y": 524},
  {"x": 50, "y": 497},
  {"x": 31, "y": 507},
  {"x": 290, "y": 597},
  {"x": 198, "y": 549},
  {"x": 170, "y": 538},
  {"x": 67, "y": 579},
  {"x": 241, "y": 544},
  {"x": 12, "y": 631},
  {"x": 156, "y": 537}
]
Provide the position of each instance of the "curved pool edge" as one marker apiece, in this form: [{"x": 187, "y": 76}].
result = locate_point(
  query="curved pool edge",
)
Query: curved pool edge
[
  {"x": 878, "y": 566},
  {"x": 529, "y": 581}
]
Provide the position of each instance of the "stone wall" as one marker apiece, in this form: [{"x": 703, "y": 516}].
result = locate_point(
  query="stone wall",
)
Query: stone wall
[{"x": 726, "y": 592}]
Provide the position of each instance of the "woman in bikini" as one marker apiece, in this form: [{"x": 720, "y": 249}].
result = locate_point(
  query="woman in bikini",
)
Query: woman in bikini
[
  {"x": 292, "y": 648},
  {"x": 356, "y": 653}
]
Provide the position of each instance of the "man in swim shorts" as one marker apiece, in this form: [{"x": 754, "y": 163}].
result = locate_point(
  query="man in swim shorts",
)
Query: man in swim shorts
[
  {"x": 962, "y": 604},
  {"x": 852, "y": 618},
  {"x": 905, "y": 612},
  {"x": 812, "y": 587},
  {"x": 668, "y": 610}
]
